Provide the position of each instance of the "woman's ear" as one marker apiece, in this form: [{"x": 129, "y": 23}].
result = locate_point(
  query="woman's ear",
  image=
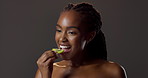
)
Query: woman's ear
[{"x": 90, "y": 36}]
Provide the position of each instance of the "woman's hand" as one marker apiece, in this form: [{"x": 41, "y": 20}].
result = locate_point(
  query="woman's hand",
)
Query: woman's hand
[{"x": 45, "y": 63}]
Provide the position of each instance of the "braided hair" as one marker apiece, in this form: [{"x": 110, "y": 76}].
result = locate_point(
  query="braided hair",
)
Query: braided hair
[{"x": 96, "y": 48}]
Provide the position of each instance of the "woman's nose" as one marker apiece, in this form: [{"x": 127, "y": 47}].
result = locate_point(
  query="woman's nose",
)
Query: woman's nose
[{"x": 63, "y": 38}]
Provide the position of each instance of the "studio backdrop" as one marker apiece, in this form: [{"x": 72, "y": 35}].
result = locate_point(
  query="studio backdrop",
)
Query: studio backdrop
[{"x": 27, "y": 29}]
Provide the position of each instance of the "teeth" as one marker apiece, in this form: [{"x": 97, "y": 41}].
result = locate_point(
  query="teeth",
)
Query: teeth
[{"x": 64, "y": 47}]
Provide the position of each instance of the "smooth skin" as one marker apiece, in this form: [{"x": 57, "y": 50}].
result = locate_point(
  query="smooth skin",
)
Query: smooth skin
[{"x": 70, "y": 30}]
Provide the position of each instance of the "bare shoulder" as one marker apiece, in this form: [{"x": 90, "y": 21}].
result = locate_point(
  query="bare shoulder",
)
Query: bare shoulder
[
  {"x": 100, "y": 69},
  {"x": 114, "y": 69}
]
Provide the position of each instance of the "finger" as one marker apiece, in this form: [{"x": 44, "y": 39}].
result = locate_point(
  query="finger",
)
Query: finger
[
  {"x": 46, "y": 55},
  {"x": 51, "y": 56},
  {"x": 50, "y": 61}
]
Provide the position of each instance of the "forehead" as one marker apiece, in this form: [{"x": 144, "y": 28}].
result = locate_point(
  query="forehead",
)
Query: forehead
[{"x": 71, "y": 18}]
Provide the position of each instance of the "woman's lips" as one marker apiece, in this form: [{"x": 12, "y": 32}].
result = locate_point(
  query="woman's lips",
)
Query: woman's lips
[{"x": 66, "y": 48}]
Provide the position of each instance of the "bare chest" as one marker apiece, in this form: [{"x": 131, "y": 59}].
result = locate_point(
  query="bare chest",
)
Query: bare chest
[
  {"x": 88, "y": 73},
  {"x": 79, "y": 73},
  {"x": 60, "y": 72}
]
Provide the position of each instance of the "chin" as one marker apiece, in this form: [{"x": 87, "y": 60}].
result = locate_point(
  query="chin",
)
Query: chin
[{"x": 65, "y": 56}]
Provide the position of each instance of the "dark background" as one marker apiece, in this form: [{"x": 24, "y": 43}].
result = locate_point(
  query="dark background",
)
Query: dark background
[{"x": 27, "y": 29}]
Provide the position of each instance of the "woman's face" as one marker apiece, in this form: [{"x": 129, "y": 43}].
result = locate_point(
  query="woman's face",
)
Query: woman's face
[{"x": 70, "y": 34}]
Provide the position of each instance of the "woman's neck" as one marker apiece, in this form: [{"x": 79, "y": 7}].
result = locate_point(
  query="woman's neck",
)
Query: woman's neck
[
  {"x": 72, "y": 63},
  {"x": 75, "y": 64},
  {"x": 78, "y": 60}
]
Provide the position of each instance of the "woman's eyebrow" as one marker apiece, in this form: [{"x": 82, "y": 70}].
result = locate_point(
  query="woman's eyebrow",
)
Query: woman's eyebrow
[
  {"x": 68, "y": 26},
  {"x": 73, "y": 27},
  {"x": 58, "y": 25}
]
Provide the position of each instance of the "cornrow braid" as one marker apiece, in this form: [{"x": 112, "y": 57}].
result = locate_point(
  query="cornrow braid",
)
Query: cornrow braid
[
  {"x": 68, "y": 7},
  {"x": 92, "y": 15}
]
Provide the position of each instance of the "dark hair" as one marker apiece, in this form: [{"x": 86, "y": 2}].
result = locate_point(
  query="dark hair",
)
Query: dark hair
[{"x": 96, "y": 48}]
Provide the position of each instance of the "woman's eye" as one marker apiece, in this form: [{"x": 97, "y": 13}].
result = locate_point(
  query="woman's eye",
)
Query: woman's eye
[
  {"x": 58, "y": 30},
  {"x": 72, "y": 33}
]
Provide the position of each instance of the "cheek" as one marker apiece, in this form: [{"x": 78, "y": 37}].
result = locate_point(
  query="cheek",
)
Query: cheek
[
  {"x": 74, "y": 40},
  {"x": 78, "y": 42},
  {"x": 56, "y": 37}
]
